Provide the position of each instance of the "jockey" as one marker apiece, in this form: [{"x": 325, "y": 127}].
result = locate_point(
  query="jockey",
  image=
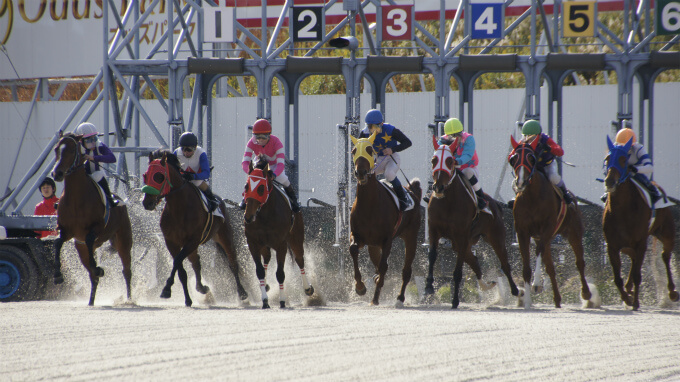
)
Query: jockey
[
  {"x": 388, "y": 143},
  {"x": 264, "y": 142},
  {"x": 195, "y": 166},
  {"x": 49, "y": 204},
  {"x": 96, "y": 152},
  {"x": 639, "y": 162},
  {"x": 462, "y": 146},
  {"x": 546, "y": 151}
]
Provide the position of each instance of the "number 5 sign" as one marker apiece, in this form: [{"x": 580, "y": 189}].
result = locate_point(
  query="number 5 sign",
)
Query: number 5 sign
[
  {"x": 397, "y": 22},
  {"x": 667, "y": 17},
  {"x": 487, "y": 20},
  {"x": 578, "y": 19}
]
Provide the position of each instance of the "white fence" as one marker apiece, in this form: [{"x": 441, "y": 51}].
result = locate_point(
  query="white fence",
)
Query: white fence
[{"x": 587, "y": 112}]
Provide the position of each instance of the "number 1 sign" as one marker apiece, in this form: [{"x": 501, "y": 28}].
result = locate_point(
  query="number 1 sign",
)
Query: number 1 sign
[{"x": 487, "y": 20}]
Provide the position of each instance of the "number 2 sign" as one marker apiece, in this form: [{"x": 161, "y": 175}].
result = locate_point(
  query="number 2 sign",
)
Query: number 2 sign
[
  {"x": 487, "y": 20},
  {"x": 307, "y": 23},
  {"x": 397, "y": 22}
]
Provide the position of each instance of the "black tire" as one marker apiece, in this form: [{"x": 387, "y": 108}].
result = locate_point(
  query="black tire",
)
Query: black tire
[{"x": 19, "y": 276}]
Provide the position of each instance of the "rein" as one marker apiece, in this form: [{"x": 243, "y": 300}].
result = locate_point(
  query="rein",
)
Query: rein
[
  {"x": 74, "y": 166},
  {"x": 523, "y": 161}
]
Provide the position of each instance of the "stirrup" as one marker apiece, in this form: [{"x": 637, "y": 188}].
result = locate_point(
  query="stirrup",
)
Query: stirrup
[{"x": 481, "y": 203}]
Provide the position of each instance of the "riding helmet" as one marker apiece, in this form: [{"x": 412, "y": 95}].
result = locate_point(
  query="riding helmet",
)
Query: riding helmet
[
  {"x": 188, "y": 139},
  {"x": 453, "y": 126},
  {"x": 262, "y": 126},
  {"x": 374, "y": 117},
  {"x": 531, "y": 127},
  {"x": 86, "y": 129},
  {"x": 49, "y": 181},
  {"x": 624, "y": 135}
]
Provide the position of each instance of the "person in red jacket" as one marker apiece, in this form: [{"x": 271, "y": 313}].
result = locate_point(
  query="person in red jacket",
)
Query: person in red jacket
[{"x": 49, "y": 204}]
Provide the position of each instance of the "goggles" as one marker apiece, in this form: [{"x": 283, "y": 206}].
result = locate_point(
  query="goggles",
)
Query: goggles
[
  {"x": 188, "y": 149},
  {"x": 261, "y": 136},
  {"x": 91, "y": 139}
]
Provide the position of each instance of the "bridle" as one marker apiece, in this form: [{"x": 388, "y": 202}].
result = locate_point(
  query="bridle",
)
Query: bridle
[
  {"x": 442, "y": 153},
  {"x": 75, "y": 165}
]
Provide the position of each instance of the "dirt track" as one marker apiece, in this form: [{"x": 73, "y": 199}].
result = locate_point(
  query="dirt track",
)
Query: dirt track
[{"x": 66, "y": 340}]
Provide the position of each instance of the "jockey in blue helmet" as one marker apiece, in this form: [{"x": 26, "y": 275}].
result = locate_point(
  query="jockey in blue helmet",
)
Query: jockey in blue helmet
[{"x": 388, "y": 143}]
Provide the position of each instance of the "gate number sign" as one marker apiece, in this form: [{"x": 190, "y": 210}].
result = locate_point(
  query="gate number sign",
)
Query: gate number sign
[
  {"x": 578, "y": 19},
  {"x": 397, "y": 22},
  {"x": 487, "y": 20},
  {"x": 218, "y": 24},
  {"x": 667, "y": 17},
  {"x": 307, "y": 23}
]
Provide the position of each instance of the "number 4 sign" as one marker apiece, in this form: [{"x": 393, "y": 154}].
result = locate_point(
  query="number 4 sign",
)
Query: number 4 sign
[{"x": 487, "y": 20}]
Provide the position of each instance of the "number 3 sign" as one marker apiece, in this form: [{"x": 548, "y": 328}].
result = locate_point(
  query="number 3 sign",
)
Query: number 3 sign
[{"x": 397, "y": 22}]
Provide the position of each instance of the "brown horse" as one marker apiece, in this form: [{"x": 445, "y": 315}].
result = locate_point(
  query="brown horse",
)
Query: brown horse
[
  {"x": 185, "y": 223},
  {"x": 626, "y": 225},
  {"x": 537, "y": 210},
  {"x": 452, "y": 213},
  {"x": 270, "y": 224},
  {"x": 375, "y": 220},
  {"x": 83, "y": 215}
]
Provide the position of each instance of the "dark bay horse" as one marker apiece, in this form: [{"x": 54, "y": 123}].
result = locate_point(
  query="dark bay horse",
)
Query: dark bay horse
[
  {"x": 537, "y": 210},
  {"x": 375, "y": 220},
  {"x": 626, "y": 225},
  {"x": 185, "y": 223},
  {"x": 452, "y": 213},
  {"x": 83, "y": 216},
  {"x": 270, "y": 224}
]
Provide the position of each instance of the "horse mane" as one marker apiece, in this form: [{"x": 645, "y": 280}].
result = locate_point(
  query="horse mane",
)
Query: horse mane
[
  {"x": 170, "y": 157},
  {"x": 260, "y": 162},
  {"x": 415, "y": 187}
]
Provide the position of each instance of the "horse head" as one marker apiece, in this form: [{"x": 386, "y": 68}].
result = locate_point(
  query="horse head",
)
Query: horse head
[
  {"x": 363, "y": 155},
  {"x": 158, "y": 177},
  {"x": 523, "y": 162},
  {"x": 443, "y": 168},
  {"x": 68, "y": 156},
  {"x": 616, "y": 164},
  {"x": 258, "y": 187}
]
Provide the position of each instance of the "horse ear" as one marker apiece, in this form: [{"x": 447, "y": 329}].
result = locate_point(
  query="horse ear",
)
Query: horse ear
[
  {"x": 513, "y": 142},
  {"x": 610, "y": 144},
  {"x": 626, "y": 147},
  {"x": 61, "y": 134},
  {"x": 434, "y": 142},
  {"x": 534, "y": 143},
  {"x": 372, "y": 137},
  {"x": 354, "y": 140}
]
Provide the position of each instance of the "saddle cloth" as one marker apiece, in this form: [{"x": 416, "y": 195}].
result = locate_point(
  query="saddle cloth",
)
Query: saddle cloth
[
  {"x": 204, "y": 201},
  {"x": 389, "y": 188}
]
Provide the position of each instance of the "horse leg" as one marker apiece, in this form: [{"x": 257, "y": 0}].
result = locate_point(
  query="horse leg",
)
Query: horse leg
[
  {"x": 196, "y": 265},
  {"x": 666, "y": 256},
  {"x": 615, "y": 260},
  {"x": 379, "y": 257},
  {"x": 125, "y": 259},
  {"x": 550, "y": 270},
  {"x": 89, "y": 241},
  {"x": 666, "y": 234},
  {"x": 182, "y": 273},
  {"x": 575, "y": 241},
  {"x": 431, "y": 259},
  {"x": 524, "y": 249},
  {"x": 636, "y": 273},
  {"x": 410, "y": 243},
  {"x": 455, "y": 283},
  {"x": 296, "y": 243},
  {"x": 84, "y": 254},
  {"x": 255, "y": 252},
  {"x": 354, "y": 248},
  {"x": 225, "y": 247},
  {"x": 58, "y": 243},
  {"x": 497, "y": 241},
  {"x": 280, "y": 274},
  {"x": 266, "y": 254}
]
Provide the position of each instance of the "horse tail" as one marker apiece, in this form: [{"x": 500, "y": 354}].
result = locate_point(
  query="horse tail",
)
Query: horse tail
[{"x": 414, "y": 187}]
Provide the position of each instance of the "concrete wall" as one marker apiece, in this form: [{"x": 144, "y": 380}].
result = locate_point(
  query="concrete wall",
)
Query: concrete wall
[{"x": 587, "y": 112}]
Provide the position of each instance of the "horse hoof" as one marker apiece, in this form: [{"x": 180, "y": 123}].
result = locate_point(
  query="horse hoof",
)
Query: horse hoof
[
  {"x": 537, "y": 289},
  {"x": 188, "y": 303},
  {"x": 429, "y": 289},
  {"x": 283, "y": 304},
  {"x": 360, "y": 289},
  {"x": 265, "y": 304},
  {"x": 514, "y": 290},
  {"x": 99, "y": 272},
  {"x": 454, "y": 304},
  {"x": 399, "y": 304},
  {"x": 309, "y": 291},
  {"x": 166, "y": 293},
  {"x": 202, "y": 289},
  {"x": 674, "y": 296},
  {"x": 58, "y": 277},
  {"x": 266, "y": 288},
  {"x": 243, "y": 295}
]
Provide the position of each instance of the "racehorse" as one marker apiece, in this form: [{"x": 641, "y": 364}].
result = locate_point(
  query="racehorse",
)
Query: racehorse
[
  {"x": 82, "y": 214},
  {"x": 185, "y": 222},
  {"x": 541, "y": 213},
  {"x": 270, "y": 224},
  {"x": 452, "y": 213},
  {"x": 375, "y": 220},
  {"x": 626, "y": 225}
]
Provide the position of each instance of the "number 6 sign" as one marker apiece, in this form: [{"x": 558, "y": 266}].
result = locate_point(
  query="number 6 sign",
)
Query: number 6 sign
[
  {"x": 667, "y": 17},
  {"x": 397, "y": 22}
]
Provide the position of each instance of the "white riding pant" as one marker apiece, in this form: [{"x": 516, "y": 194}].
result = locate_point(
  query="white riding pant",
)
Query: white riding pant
[
  {"x": 97, "y": 175},
  {"x": 386, "y": 165},
  {"x": 283, "y": 179},
  {"x": 551, "y": 172},
  {"x": 469, "y": 172}
]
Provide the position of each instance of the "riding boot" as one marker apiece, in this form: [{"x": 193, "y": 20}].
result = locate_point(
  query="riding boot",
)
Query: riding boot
[
  {"x": 511, "y": 203},
  {"x": 242, "y": 205},
  {"x": 567, "y": 196},
  {"x": 212, "y": 200},
  {"x": 603, "y": 198},
  {"x": 294, "y": 205},
  {"x": 481, "y": 202},
  {"x": 404, "y": 203},
  {"x": 105, "y": 186}
]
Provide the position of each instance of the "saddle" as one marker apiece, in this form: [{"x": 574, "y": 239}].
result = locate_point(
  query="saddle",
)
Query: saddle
[
  {"x": 204, "y": 201},
  {"x": 389, "y": 188},
  {"x": 471, "y": 192}
]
